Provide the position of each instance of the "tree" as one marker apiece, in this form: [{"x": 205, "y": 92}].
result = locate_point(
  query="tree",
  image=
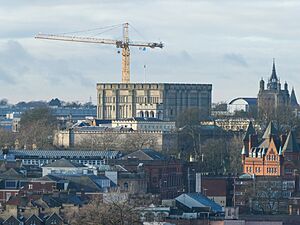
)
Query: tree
[
  {"x": 215, "y": 156},
  {"x": 6, "y": 138},
  {"x": 3, "y": 102},
  {"x": 55, "y": 102},
  {"x": 222, "y": 156},
  {"x": 188, "y": 128},
  {"x": 138, "y": 141},
  {"x": 98, "y": 212},
  {"x": 190, "y": 117},
  {"x": 102, "y": 141},
  {"x": 234, "y": 155},
  {"x": 36, "y": 128}
]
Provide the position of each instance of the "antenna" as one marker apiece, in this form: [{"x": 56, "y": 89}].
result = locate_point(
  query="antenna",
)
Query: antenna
[{"x": 145, "y": 67}]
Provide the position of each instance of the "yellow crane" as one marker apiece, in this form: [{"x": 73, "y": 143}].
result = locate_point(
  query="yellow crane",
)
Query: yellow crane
[{"x": 124, "y": 44}]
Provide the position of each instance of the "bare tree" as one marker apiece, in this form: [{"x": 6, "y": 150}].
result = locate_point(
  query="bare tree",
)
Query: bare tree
[
  {"x": 36, "y": 128},
  {"x": 268, "y": 195},
  {"x": 98, "y": 212},
  {"x": 6, "y": 138},
  {"x": 137, "y": 141},
  {"x": 101, "y": 141}
]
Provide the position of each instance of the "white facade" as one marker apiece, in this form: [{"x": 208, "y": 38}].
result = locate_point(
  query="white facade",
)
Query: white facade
[
  {"x": 144, "y": 125},
  {"x": 64, "y": 170}
]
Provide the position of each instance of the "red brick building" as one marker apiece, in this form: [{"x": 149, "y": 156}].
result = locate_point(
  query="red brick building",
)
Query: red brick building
[
  {"x": 273, "y": 155},
  {"x": 165, "y": 176}
]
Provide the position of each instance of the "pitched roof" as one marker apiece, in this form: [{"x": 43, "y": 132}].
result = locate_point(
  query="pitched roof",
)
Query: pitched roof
[
  {"x": 291, "y": 144},
  {"x": 197, "y": 200},
  {"x": 146, "y": 154},
  {"x": 64, "y": 153},
  {"x": 11, "y": 174},
  {"x": 84, "y": 183},
  {"x": 250, "y": 131},
  {"x": 64, "y": 163},
  {"x": 33, "y": 217},
  {"x": 270, "y": 131},
  {"x": 294, "y": 101}
]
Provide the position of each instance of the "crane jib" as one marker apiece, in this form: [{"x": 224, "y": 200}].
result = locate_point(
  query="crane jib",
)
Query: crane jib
[{"x": 124, "y": 44}]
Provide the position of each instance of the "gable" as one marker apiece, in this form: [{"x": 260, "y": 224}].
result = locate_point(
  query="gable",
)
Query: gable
[
  {"x": 54, "y": 219},
  {"x": 272, "y": 149},
  {"x": 11, "y": 221},
  {"x": 33, "y": 220}
]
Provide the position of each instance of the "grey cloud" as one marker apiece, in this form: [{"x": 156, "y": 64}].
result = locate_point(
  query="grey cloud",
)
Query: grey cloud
[
  {"x": 6, "y": 77},
  {"x": 19, "y": 63},
  {"x": 235, "y": 59},
  {"x": 203, "y": 38}
]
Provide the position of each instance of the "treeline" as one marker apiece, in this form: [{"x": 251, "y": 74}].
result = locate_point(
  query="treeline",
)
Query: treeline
[
  {"x": 36, "y": 130},
  {"x": 53, "y": 102}
]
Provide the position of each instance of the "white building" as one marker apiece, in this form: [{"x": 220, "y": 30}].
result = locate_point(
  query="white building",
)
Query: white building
[
  {"x": 145, "y": 124},
  {"x": 65, "y": 167}
]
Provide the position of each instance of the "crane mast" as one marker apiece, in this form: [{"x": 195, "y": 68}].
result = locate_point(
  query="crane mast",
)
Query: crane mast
[
  {"x": 124, "y": 44},
  {"x": 125, "y": 55}
]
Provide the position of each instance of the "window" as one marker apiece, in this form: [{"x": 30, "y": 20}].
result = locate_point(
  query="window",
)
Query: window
[
  {"x": 10, "y": 184},
  {"x": 30, "y": 186}
]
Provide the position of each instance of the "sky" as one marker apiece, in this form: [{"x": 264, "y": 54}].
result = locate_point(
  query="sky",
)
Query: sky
[{"x": 227, "y": 43}]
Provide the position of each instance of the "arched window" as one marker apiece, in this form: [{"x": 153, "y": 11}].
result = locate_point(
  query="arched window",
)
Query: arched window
[
  {"x": 146, "y": 114},
  {"x": 141, "y": 114},
  {"x": 152, "y": 114}
]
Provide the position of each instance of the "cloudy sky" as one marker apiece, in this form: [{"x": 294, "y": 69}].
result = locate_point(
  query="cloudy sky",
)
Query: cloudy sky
[{"x": 228, "y": 43}]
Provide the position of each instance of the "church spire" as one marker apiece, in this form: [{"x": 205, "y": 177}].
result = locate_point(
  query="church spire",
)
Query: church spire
[
  {"x": 274, "y": 75},
  {"x": 274, "y": 83}
]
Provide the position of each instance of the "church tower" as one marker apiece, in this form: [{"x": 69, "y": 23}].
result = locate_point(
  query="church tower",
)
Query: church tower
[{"x": 272, "y": 98}]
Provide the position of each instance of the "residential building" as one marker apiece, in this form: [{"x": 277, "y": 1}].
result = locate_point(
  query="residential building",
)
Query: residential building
[
  {"x": 160, "y": 100},
  {"x": 264, "y": 194},
  {"x": 65, "y": 167},
  {"x": 164, "y": 175},
  {"x": 40, "y": 158}
]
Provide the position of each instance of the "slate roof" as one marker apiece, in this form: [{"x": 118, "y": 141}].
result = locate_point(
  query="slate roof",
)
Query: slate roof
[
  {"x": 64, "y": 163},
  {"x": 83, "y": 183},
  {"x": 270, "y": 131},
  {"x": 64, "y": 154},
  {"x": 86, "y": 183},
  {"x": 146, "y": 154},
  {"x": 197, "y": 200},
  {"x": 250, "y": 131},
  {"x": 11, "y": 174},
  {"x": 294, "y": 101},
  {"x": 291, "y": 144}
]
